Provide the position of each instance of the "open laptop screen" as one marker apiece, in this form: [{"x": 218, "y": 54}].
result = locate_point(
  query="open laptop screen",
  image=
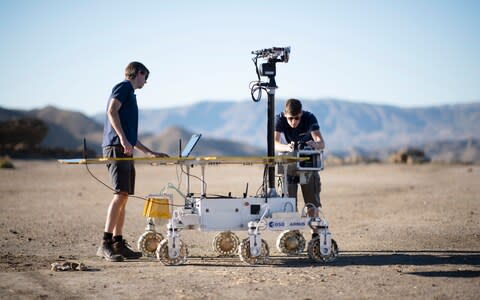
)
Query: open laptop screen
[{"x": 190, "y": 145}]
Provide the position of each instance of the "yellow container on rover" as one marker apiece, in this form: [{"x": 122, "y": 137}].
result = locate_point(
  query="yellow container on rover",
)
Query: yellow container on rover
[{"x": 158, "y": 206}]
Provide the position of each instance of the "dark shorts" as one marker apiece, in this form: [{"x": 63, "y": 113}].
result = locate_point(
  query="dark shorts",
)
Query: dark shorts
[
  {"x": 122, "y": 173},
  {"x": 310, "y": 190}
]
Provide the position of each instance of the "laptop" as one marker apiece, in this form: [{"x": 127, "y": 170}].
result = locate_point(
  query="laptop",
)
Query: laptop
[{"x": 190, "y": 145}]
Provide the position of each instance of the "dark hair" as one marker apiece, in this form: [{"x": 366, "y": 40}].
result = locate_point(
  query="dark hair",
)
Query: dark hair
[
  {"x": 133, "y": 68},
  {"x": 293, "y": 107}
]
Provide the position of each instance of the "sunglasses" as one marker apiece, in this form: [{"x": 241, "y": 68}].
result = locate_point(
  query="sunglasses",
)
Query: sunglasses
[
  {"x": 144, "y": 73},
  {"x": 296, "y": 118}
]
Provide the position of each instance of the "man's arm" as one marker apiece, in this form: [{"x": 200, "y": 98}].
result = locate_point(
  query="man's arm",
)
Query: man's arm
[
  {"x": 318, "y": 142},
  {"x": 282, "y": 147},
  {"x": 147, "y": 150},
  {"x": 114, "y": 119}
]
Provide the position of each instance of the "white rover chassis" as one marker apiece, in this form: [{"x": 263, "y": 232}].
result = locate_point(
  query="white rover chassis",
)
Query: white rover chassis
[{"x": 252, "y": 214}]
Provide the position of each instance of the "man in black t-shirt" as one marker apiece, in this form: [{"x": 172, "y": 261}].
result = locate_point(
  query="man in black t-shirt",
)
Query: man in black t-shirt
[
  {"x": 299, "y": 126},
  {"x": 120, "y": 137}
]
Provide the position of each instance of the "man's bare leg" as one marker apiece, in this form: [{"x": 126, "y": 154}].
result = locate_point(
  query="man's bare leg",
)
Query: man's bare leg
[{"x": 116, "y": 214}]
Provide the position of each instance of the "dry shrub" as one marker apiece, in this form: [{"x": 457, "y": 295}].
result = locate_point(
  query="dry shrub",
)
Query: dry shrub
[{"x": 6, "y": 163}]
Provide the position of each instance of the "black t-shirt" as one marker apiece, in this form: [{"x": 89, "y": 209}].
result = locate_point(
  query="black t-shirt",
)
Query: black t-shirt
[
  {"x": 302, "y": 132},
  {"x": 128, "y": 113}
]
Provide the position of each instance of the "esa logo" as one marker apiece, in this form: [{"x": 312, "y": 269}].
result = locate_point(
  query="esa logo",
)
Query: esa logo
[{"x": 273, "y": 224}]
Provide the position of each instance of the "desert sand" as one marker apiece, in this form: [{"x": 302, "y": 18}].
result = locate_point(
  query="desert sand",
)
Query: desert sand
[{"x": 404, "y": 232}]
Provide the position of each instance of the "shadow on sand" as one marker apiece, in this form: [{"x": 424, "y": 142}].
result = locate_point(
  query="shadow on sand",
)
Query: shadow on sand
[
  {"x": 408, "y": 258},
  {"x": 368, "y": 258}
]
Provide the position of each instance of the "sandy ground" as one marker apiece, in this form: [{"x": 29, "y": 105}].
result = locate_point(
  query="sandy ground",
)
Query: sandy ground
[{"x": 403, "y": 232}]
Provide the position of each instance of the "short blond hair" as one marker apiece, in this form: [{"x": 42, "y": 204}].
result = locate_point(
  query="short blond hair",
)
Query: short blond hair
[
  {"x": 293, "y": 107},
  {"x": 133, "y": 68}
]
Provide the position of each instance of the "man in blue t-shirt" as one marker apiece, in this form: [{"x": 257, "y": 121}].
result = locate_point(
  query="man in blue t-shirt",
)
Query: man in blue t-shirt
[
  {"x": 299, "y": 126},
  {"x": 120, "y": 137}
]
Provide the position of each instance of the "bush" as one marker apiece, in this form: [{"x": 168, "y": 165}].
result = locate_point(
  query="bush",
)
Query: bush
[
  {"x": 25, "y": 133},
  {"x": 5, "y": 163}
]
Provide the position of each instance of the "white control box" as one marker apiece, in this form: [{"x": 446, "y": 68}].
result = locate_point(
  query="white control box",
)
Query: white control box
[{"x": 224, "y": 214}]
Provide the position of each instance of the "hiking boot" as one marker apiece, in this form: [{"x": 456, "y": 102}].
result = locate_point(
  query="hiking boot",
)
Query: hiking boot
[
  {"x": 106, "y": 251},
  {"x": 123, "y": 248}
]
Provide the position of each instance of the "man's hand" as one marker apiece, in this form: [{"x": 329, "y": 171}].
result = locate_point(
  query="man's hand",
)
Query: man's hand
[
  {"x": 291, "y": 146},
  {"x": 149, "y": 152},
  {"x": 127, "y": 147},
  {"x": 159, "y": 154}
]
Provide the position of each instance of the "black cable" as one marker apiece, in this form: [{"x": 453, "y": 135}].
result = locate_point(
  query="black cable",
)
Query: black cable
[
  {"x": 256, "y": 66},
  {"x": 196, "y": 177},
  {"x": 256, "y": 193},
  {"x": 280, "y": 183},
  {"x": 96, "y": 178},
  {"x": 264, "y": 182},
  {"x": 131, "y": 196},
  {"x": 256, "y": 85},
  {"x": 107, "y": 186}
]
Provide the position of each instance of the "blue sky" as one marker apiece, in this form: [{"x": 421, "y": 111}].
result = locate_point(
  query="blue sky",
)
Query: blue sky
[{"x": 405, "y": 53}]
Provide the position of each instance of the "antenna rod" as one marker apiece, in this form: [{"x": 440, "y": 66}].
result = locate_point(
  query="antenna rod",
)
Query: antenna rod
[
  {"x": 179, "y": 147},
  {"x": 84, "y": 148},
  {"x": 270, "y": 131}
]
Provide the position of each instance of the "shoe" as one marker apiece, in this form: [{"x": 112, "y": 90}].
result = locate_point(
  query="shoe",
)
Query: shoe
[
  {"x": 106, "y": 251},
  {"x": 123, "y": 248}
]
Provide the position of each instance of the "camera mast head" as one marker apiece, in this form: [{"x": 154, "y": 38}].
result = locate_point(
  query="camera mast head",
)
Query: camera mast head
[
  {"x": 267, "y": 68},
  {"x": 274, "y": 54}
]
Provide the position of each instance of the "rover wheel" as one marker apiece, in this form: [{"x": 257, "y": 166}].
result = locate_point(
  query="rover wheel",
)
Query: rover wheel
[
  {"x": 245, "y": 256},
  {"x": 225, "y": 243},
  {"x": 291, "y": 242},
  {"x": 164, "y": 257},
  {"x": 148, "y": 242},
  {"x": 315, "y": 253}
]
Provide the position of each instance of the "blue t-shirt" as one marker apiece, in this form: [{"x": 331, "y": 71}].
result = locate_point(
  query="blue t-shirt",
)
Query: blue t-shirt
[
  {"x": 302, "y": 132},
  {"x": 128, "y": 113}
]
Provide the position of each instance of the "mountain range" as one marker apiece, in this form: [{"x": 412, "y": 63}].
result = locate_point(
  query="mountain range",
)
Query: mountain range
[
  {"x": 239, "y": 128},
  {"x": 344, "y": 125}
]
